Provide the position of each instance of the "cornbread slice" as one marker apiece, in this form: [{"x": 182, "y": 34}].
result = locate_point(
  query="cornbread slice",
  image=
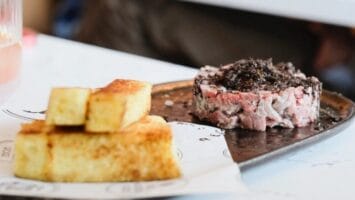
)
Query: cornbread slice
[
  {"x": 67, "y": 106},
  {"x": 140, "y": 152},
  {"x": 118, "y": 105}
]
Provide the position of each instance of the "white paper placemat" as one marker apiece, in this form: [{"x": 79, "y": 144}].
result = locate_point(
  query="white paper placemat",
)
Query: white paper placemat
[{"x": 204, "y": 157}]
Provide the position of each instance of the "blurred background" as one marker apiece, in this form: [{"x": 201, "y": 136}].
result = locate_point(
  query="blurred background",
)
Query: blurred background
[{"x": 319, "y": 41}]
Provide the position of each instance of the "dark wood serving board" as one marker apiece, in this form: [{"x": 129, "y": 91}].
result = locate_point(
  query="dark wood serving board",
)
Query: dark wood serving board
[{"x": 173, "y": 101}]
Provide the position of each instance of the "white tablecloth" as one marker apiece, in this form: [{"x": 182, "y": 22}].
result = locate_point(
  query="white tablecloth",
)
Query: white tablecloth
[{"x": 321, "y": 171}]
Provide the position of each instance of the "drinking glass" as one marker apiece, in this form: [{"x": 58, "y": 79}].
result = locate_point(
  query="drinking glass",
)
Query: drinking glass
[{"x": 10, "y": 43}]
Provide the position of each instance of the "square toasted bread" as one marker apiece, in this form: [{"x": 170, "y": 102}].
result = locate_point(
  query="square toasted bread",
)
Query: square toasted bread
[
  {"x": 140, "y": 152},
  {"x": 118, "y": 105},
  {"x": 67, "y": 106}
]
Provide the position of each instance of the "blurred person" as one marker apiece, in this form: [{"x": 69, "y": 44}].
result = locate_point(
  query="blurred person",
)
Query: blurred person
[
  {"x": 333, "y": 60},
  {"x": 193, "y": 34}
]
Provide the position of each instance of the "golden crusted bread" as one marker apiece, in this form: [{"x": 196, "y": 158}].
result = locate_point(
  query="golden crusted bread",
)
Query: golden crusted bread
[
  {"x": 118, "y": 105},
  {"x": 67, "y": 106},
  {"x": 140, "y": 152}
]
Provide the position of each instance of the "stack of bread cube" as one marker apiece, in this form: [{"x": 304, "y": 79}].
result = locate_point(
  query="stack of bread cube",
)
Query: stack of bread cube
[
  {"x": 109, "y": 109},
  {"x": 97, "y": 135}
]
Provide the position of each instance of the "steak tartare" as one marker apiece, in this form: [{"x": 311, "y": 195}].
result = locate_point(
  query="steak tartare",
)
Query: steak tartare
[{"x": 255, "y": 94}]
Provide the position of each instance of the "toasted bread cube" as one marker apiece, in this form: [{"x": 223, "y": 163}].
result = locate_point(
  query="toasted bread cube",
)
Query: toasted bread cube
[
  {"x": 106, "y": 112},
  {"x": 67, "y": 106},
  {"x": 118, "y": 105},
  {"x": 142, "y": 151}
]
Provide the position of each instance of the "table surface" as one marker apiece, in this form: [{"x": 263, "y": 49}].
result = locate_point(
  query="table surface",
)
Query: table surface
[
  {"x": 324, "y": 170},
  {"x": 337, "y": 12}
]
